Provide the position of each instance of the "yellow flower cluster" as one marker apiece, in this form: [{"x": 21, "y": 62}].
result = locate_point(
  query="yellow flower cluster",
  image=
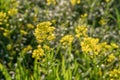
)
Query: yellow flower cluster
[
  {"x": 46, "y": 47},
  {"x": 84, "y": 15},
  {"x": 90, "y": 45},
  {"x": 28, "y": 48},
  {"x": 6, "y": 33},
  {"x": 3, "y": 18},
  {"x": 30, "y": 26},
  {"x": 114, "y": 74},
  {"x": 102, "y": 21},
  {"x": 9, "y": 46},
  {"x": 67, "y": 40},
  {"x": 113, "y": 45},
  {"x": 44, "y": 31},
  {"x": 74, "y": 2},
  {"x": 12, "y": 12},
  {"x": 81, "y": 31},
  {"x": 51, "y": 2},
  {"x": 111, "y": 57},
  {"x": 38, "y": 53},
  {"x": 106, "y": 47},
  {"x": 23, "y": 32},
  {"x": 107, "y": 1}
]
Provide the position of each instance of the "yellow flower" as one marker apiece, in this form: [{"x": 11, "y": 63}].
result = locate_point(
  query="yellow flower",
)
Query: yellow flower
[
  {"x": 114, "y": 73},
  {"x": 9, "y": 46},
  {"x": 111, "y": 57},
  {"x": 6, "y": 33},
  {"x": 27, "y": 48},
  {"x": 105, "y": 46},
  {"x": 44, "y": 31},
  {"x": 23, "y": 32},
  {"x": 30, "y": 26},
  {"x": 74, "y": 2},
  {"x": 90, "y": 45},
  {"x": 81, "y": 31},
  {"x": 46, "y": 47},
  {"x": 114, "y": 45},
  {"x": 51, "y": 2},
  {"x": 102, "y": 21},
  {"x": 2, "y": 15},
  {"x": 51, "y": 37},
  {"x": 67, "y": 40},
  {"x": 84, "y": 15},
  {"x": 12, "y": 12},
  {"x": 38, "y": 53},
  {"x": 3, "y": 18},
  {"x": 14, "y": 3},
  {"x": 107, "y": 1}
]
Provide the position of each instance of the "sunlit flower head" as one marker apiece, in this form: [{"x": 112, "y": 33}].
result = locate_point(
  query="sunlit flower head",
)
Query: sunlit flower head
[
  {"x": 81, "y": 31},
  {"x": 67, "y": 40},
  {"x": 38, "y": 53},
  {"x": 74, "y": 2},
  {"x": 44, "y": 32}
]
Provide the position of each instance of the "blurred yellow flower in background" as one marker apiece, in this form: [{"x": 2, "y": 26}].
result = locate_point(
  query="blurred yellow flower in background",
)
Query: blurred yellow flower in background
[
  {"x": 3, "y": 18},
  {"x": 81, "y": 31},
  {"x": 46, "y": 47},
  {"x": 107, "y": 1},
  {"x": 102, "y": 21},
  {"x": 114, "y": 45},
  {"x": 111, "y": 57},
  {"x": 51, "y": 2},
  {"x": 84, "y": 15},
  {"x": 38, "y": 53},
  {"x": 9, "y": 46},
  {"x": 114, "y": 74},
  {"x": 67, "y": 40},
  {"x": 28, "y": 48},
  {"x": 30, "y": 26},
  {"x": 12, "y": 11},
  {"x": 74, "y": 2},
  {"x": 23, "y": 32}
]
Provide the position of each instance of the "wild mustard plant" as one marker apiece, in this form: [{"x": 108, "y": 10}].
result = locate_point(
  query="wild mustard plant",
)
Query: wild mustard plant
[
  {"x": 102, "y": 21},
  {"x": 114, "y": 46},
  {"x": 90, "y": 45},
  {"x": 81, "y": 31},
  {"x": 51, "y": 2},
  {"x": 38, "y": 53},
  {"x": 74, "y": 2},
  {"x": 12, "y": 12},
  {"x": 44, "y": 32},
  {"x": 107, "y": 1},
  {"x": 3, "y": 18},
  {"x": 84, "y": 15},
  {"x": 27, "y": 49},
  {"x": 46, "y": 47},
  {"x": 114, "y": 74},
  {"x": 96, "y": 58},
  {"x": 9, "y": 46},
  {"x": 30, "y": 26},
  {"x": 111, "y": 58},
  {"x": 6, "y": 33},
  {"x": 67, "y": 40}
]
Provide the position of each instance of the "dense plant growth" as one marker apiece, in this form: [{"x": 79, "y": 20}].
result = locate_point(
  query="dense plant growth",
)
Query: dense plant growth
[{"x": 59, "y": 40}]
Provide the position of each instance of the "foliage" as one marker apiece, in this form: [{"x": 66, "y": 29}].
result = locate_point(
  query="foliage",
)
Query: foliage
[{"x": 59, "y": 40}]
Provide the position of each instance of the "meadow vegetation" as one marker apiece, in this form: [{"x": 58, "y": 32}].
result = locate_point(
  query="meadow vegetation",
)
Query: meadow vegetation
[{"x": 59, "y": 40}]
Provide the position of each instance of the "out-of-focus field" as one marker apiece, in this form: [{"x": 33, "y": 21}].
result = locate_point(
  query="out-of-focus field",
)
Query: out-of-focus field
[{"x": 59, "y": 40}]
